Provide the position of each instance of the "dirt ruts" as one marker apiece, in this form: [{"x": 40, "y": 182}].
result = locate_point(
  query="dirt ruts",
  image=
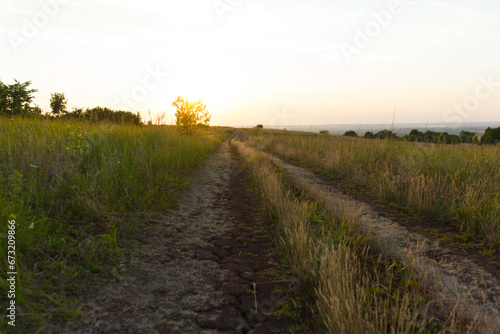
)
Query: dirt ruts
[
  {"x": 206, "y": 267},
  {"x": 457, "y": 278}
]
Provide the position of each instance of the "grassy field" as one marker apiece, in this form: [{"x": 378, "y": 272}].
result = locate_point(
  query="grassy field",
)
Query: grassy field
[
  {"x": 351, "y": 296},
  {"x": 356, "y": 289},
  {"x": 456, "y": 183},
  {"x": 77, "y": 192}
]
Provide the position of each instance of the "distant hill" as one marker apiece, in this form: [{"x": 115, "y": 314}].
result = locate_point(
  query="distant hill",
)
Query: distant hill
[{"x": 401, "y": 129}]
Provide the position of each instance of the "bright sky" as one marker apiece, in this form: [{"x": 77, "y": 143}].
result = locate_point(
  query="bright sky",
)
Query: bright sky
[{"x": 275, "y": 62}]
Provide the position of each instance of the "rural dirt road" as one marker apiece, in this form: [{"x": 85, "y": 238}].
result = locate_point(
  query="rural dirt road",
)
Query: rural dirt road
[
  {"x": 206, "y": 267},
  {"x": 455, "y": 275}
]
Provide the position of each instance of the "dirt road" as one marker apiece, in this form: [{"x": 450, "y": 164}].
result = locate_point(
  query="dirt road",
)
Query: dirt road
[
  {"x": 207, "y": 267},
  {"x": 457, "y": 276}
]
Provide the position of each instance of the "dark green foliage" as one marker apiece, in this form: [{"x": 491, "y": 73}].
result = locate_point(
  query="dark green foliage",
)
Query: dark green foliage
[
  {"x": 99, "y": 114},
  {"x": 491, "y": 136},
  {"x": 385, "y": 134},
  {"x": 58, "y": 103},
  {"x": 260, "y": 126},
  {"x": 416, "y": 133},
  {"x": 15, "y": 98},
  {"x": 324, "y": 132},
  {"x": 369, "y": 135},
  {"x": 350, "y": 133},
  {"x": 466, "y": 137},
  {"x": 439, "y": 137}
]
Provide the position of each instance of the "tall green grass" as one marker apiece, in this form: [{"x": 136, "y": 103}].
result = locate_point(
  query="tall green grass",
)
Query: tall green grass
[
  {"x": 74, "y": 189},
  {"x": 453, "y": 182}
]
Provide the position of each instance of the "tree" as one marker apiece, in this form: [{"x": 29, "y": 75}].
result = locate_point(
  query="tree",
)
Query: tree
[
  {"x": 260, "y": 126},
  {"x": 58, "y": 103},
  {"x": 466, "y": 136},
  {"x": 36, "y": 110},
  {"x": 190, "y": 114},
  {"x": 4, "y": 98},
  {"x": 384, "y": 134},
  {"x": 324, "y": 132},
  {"x": 15, "y": 98},
  {"x": 416, "y": 133},
  {"x": 491, "y": 136},
  {"x": 350, "y": 133}
]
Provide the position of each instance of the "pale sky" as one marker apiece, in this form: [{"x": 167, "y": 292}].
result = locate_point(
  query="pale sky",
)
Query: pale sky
[{"x": 275, "y": 62}]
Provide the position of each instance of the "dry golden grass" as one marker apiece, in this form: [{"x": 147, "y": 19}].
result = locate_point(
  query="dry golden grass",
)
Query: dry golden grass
[
  {"x": 356, "y": 291},
  {"x": 455, "y": 182}
]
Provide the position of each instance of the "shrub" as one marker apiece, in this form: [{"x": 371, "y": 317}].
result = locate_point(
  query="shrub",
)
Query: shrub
[
  {"x": 190, "y": 114},
  {"x": 491, "y": 136},
  {"x": 350, "y": 133}
]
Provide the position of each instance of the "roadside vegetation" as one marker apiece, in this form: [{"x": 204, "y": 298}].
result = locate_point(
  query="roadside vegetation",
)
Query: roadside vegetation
[
  {"x": 455, "y": 183},
  {"x": 356, "y": 289},
  {"x": 77, "y": 192}
]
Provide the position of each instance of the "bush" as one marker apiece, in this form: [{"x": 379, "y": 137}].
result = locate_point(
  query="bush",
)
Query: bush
[
  {"x": 190, "y": 114},
  {"x": 491, "y": 136},
  {"x": 385, "y": 134},
  {"x": 350, "y": 133}
]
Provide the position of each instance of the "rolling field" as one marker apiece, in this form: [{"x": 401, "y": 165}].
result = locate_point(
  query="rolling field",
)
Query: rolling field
[
  {"x": 370, "y": 273},
  {"x": 456, "y": 183},
  {"x": 145, "y": 229},
  {"x": 74, "y": 190}
]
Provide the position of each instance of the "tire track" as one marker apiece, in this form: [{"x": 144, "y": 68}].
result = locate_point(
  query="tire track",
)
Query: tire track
[
  {"x": 458, "y": 279},
  {"x": 206, "y": 267}
]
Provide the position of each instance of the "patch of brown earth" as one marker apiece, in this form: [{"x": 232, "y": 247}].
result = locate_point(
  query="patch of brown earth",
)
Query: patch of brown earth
[{"x": 207, "y": 267}]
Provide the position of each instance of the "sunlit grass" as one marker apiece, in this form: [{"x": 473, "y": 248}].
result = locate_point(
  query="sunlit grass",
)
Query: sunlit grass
[
  {"x": 74, "y": 189},
  {"x": 357, "y": 290},
  {"x": 459, "y": 183}
]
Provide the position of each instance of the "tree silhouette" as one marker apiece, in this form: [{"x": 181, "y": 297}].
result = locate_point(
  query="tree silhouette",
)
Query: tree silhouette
[
  {"x": 15, "y": 98},
  {"x": 58, "y": 103}
]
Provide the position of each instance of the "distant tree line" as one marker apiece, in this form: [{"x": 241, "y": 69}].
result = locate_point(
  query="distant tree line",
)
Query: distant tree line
[
  {"x": 16, "y": 99},
  {"x": 490, "y": 136},
  {"x": 100, "y": 114}
]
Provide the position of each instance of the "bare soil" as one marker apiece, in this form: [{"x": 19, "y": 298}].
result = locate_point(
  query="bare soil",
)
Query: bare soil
[{"x": 207, "y": 267}]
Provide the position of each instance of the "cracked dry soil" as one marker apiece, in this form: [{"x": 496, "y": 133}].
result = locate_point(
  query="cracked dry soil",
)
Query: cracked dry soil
[{"x": 206, "y": 267}]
